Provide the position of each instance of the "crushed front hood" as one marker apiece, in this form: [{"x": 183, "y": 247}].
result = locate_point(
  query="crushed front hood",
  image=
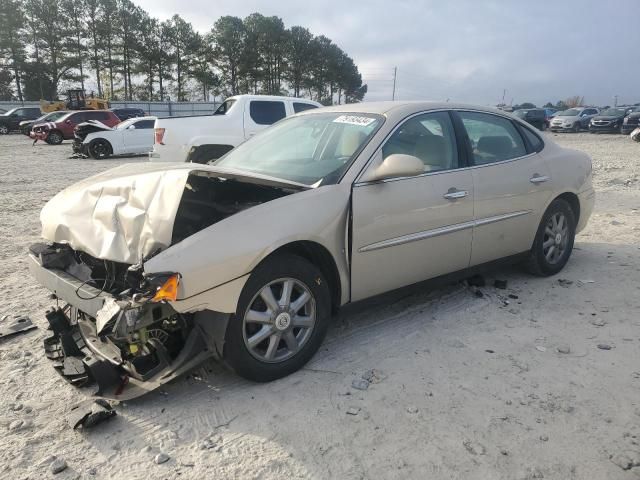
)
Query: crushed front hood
[{"x": 127, "y": 213}]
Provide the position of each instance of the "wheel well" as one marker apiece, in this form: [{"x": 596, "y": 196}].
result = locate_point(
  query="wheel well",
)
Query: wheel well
[
  {"x": 574, "y": 203},
  {"x": 321, "y": 258},
  {"x": 100, "y": 139}
]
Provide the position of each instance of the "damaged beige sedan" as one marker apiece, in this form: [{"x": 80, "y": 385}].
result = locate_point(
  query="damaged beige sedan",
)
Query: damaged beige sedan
[{"x": 158, "y": 267}]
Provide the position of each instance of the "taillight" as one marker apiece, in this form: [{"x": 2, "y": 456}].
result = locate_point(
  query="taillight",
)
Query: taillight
[{"x": 159, "y": 135}]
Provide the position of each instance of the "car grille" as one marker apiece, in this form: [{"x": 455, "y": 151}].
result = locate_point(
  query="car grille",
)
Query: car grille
[{"x": 601, "y": 123}]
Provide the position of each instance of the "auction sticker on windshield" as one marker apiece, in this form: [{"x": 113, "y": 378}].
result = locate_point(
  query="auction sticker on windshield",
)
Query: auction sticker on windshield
[{"x": 354, "y": 120}]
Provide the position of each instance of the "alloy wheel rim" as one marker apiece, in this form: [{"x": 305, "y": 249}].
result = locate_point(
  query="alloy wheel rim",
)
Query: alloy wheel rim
[
  {"x": 556, "y": 237},
  {"x": 279, "y": 320},
  {"x": 99, "y": 149},
  {"x": 4, "y": 130}
]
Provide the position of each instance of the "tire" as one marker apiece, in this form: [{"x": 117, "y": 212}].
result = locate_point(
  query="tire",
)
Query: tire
[
  {"x": 542, "y": 260},
  {"x": 99, "y": 149},
  {"x": 4, "y": 130},
  {"x": 54, "y": 138},
  {"x": 576, "y": 127},
  {"x": 272, "y": 356}
]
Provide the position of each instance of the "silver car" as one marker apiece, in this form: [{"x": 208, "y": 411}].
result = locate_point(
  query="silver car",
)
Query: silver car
[
  {"x": 160, "y": 266},
  {"x": 573, "y": 119}
]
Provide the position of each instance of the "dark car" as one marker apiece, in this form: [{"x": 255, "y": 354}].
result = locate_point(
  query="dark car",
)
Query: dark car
[
  {"x": 62, "y": 129},
  {"x": 610, "y": 120},
  {"x": 534, "y": 116},
  {"x": 631, "y": 121},
  {"x": 26, "y": 125},
  {"x": 127, "y": 113},
  {"x": 10, "y": 121}
]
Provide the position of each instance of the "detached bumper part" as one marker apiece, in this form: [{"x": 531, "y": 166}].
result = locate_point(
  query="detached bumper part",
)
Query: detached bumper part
[{"x": 75, "y": 361}]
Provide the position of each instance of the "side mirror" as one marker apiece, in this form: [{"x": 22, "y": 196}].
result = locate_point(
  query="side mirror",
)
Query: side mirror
[
  {"x": 131, "y": 127},
  {"x": 395, "y": 166}
]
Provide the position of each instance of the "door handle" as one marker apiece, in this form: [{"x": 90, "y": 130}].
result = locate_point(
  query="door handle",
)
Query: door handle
[
  {"x": 538, "y": 178},
  {"x": 452, "y": 194}
]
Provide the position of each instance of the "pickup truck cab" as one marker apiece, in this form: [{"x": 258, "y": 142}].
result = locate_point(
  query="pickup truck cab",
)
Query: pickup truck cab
[{"x": 202, "y": 138}]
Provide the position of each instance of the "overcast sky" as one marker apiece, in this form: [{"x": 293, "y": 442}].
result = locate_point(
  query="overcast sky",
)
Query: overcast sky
[{"x": 464, "y": 50}]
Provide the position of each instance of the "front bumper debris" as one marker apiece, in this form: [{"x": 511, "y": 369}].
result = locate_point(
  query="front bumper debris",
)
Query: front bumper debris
[
  {"x": 85, "y": 358},
  {"x": 76, "y": 362}
]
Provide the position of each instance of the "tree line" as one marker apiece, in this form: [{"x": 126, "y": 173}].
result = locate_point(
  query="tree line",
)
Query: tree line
[{"x": 49, "y": 45}]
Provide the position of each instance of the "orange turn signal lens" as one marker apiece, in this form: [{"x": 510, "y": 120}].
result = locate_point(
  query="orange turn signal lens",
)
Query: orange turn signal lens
[{"x": 169, "y": 290}]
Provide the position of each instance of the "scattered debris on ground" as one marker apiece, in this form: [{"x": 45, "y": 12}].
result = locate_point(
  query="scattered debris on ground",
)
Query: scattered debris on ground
[
  {"x": 90, "y": 413},
  {"x": 15, "y": 325}
]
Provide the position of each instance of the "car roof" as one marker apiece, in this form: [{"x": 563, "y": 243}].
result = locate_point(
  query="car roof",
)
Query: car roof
[
  {"x": 403, "y": 108},
  {"x": 272, "y": 97}
]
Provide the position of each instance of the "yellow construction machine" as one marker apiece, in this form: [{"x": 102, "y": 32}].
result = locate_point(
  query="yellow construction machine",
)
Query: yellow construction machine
[{"x": 76, "y": 100}]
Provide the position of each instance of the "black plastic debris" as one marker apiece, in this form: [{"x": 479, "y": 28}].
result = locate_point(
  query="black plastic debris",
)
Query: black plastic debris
[
  {"x": 478, "y": 294},
  {"x": 476, "y": 281},
  {"x": 90, "y": 413},
  {"x": 11, "y": 326},
  {"x": 501, "y": 284}
]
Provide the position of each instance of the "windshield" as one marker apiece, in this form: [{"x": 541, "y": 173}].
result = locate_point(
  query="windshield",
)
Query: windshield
[
  {"x": 572, "y": 112},
  {"x": 225, "y": 107},
  {"x": 313, "y": 149},
  {"x": 613, "y": 112}
]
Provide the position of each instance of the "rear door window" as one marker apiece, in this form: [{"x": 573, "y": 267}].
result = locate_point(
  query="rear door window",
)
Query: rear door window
[
  {"x": 266, "y": 112},
  {"x": 144, "y": 124},
  {"x": 493, "y": 138}
]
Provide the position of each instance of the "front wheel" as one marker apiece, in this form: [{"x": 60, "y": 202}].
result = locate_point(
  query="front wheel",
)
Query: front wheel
[
  {"x": 99, "y": 149},
  {"x": 54, "y": 138},
  {"x": 282, "y": 317},
  {"x": 554, "y": 240},
  {"x": 4, "y": 129}
]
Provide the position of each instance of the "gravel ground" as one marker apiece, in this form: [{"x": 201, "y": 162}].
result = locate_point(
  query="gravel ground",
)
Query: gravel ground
[{"x": 463, "y": 387}]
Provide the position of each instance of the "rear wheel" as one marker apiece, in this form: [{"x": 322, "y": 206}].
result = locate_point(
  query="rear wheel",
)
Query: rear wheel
[
  {"x": 54, "y": 138},
  {"x": 554, "y": 240},
  {"x": 282, "y": 317},
  {"x": 100, "y": 149}
]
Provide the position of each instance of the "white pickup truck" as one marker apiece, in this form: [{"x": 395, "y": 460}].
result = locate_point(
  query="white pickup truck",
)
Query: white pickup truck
[{"x": 202, "y": 138}]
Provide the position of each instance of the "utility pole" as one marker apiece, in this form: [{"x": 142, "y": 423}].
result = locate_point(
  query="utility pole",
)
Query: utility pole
[
  {"x": 615, "y": 100},
  {"x": 395, "y": 74}
]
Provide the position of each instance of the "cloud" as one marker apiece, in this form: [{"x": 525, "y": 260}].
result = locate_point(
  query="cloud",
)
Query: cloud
[{"x": 465, "y": 50}]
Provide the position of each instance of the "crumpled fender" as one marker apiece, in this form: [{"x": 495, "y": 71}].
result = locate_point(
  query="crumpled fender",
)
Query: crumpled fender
[{"x": 230, "y": 249}]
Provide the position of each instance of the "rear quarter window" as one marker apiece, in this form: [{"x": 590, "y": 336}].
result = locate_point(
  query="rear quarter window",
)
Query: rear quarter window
[
  {"x": 301, "y": 107},
  {"x": 534, "y": 142}
]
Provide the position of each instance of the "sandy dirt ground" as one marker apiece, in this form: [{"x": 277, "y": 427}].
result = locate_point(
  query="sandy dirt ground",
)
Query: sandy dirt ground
[{"x": 464, "y": 387}]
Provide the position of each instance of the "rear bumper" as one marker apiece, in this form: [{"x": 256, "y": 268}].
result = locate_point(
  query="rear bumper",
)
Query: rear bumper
[
  {"x": 587, "y": 199},
  {"x": 167, "y": 153}
]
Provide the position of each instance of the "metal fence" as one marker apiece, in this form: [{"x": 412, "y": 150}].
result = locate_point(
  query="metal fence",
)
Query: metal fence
[{"x": 159, "y": 109}]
